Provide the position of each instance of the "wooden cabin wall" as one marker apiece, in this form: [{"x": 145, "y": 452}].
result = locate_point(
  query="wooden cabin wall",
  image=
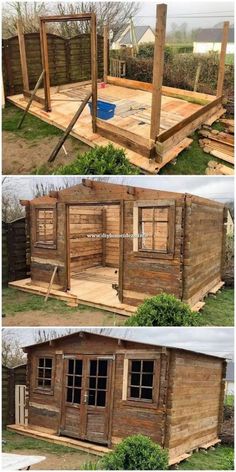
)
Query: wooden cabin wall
[
  {"x": 125, "y": 419},
  {"x": 85, "y": 252},
  {"x": 88, "y": 252},
  {"x": 144, "y": 277},
  {"x": 194, "y": 401},
  {"x": 204, "y": 240},
  {"x": 43, "y": 260}
]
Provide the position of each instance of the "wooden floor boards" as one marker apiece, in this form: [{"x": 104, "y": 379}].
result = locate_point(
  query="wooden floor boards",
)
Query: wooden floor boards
[{"x": 133, "y": 113}]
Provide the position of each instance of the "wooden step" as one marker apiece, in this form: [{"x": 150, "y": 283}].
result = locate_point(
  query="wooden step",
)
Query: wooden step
[
  {"x": 198, "y": 306},
  {"x": 178, "y": 459},
  {"x": 215, "y": 289},
  {"x": 210, "y": 444}
]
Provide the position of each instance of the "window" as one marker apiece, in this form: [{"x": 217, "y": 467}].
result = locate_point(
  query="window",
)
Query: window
[
  {"x": 44, "y": 373},
  {"x": 98, "y": 382},
  {"x": 154, "y": 228},
  {"x": 153, "y": 224},
  {"x": 74, "y": 381},
  {"x": 46, "y": 227},
  {"x": 141, "y": 380}
]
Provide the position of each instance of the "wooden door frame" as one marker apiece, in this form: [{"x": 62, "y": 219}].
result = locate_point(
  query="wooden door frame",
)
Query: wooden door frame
[
  {"x": 83, "y": 408},
  {"x": 43, "y": 20},
  {"x": 121, "y": 241}
]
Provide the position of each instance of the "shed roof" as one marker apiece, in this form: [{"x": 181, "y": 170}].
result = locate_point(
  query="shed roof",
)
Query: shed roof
[
  {"x": 134, "y": 338},
  {"x": 213, "y": 35}
]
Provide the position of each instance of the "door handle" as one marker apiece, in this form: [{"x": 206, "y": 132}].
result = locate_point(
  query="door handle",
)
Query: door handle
[{"x": 85, "y": 400}]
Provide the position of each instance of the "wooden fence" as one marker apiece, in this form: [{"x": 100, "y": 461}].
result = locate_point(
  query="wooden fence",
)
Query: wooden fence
[
  {"x": 69, "y": 60},
  {"x": 15, "y": 251},
  {"x": 10, "y": 378}
]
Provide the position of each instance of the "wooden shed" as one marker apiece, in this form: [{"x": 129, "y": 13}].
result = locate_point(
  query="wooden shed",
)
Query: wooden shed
[
  {"x": 100, "y": 389},
  {"x": 111, "y": 246}
]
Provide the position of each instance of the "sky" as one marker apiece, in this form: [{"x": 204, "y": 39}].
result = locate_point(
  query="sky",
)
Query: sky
[
  {"x": 214, "y": 341},
  {"x": 197, "y": 14},
  {"x": 216, "y": 188}
]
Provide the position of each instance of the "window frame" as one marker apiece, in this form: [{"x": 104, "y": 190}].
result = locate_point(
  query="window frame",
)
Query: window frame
[
  {"x": 142, "y": 356},
  {"x": 151, "y": 253},
  {"x": 42, "y": 244},
  {"x": 38, "y": 388},
  {"x": 73, "y": 388}
]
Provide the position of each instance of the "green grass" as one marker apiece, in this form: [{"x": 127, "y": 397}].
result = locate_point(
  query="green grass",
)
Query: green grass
[
  {"x": 32, "y": 128},
  {"x": 218, "y": 310},
  {"x": 218, "y": 459},
  {"x": 229, "y": 400},
  {"x": 192, "y": 161},
  {"x": 15, "y": 301},
  {"x": 229, "y": 59},
  {"x": 16, "y": 442}
]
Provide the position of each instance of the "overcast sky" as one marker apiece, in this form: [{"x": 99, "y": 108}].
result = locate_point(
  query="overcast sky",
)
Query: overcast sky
[
  {"x": 197, "y": 14},
  {"x": 215, "y": 341},
  {"x": 217, "y": 188}
]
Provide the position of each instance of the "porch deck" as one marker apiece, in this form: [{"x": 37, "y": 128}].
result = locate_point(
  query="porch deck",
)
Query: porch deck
[
  {"x": 91, "y": 287},
  {"x": 133, "y": 114}
]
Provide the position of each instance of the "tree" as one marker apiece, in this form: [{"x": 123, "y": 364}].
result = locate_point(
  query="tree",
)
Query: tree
[
  {"x": 27, "y": 12},
  {"x": 12, "y": 353},
  {"x": 44, "y": 335},
  {"x": 11, "y": 208}
]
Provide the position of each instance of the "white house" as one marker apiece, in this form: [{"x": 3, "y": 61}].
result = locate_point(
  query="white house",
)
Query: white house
[
  {"x": 144, "y": 34},
  {"x": 230, "y": 222},
  {"x": 209, "y": 39},
  {"x": 229, "y": 381}
]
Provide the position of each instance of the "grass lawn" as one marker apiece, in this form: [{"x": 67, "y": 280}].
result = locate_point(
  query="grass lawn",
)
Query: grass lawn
[
  {"x": 58, "y": 457},
  {"x": 221, "y": 458},
  {"x": 26, "y": 309},
  {"x": 192, "y": 161},
  {"x": 218, "y": 310}
]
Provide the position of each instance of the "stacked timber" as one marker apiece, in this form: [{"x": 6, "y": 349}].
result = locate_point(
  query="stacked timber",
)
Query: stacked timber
[{"x": 219, "y": 144}]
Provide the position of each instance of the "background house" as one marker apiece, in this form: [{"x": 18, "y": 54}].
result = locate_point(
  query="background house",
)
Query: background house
[
  {"x": 230, "y": 222},
  {"x": 229, "y": 381},
  {"x": 144, "y": 34},
  {"x": 209, "y": 39}
]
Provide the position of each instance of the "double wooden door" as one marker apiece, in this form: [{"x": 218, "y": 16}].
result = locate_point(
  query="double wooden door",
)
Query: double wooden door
[{"x": 86, "y": 397}]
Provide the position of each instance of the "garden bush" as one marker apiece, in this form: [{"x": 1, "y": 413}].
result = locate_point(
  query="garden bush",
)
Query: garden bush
[
  {"x": 136, "y": 452},
  {"x": 163, "y": 310},
  {"x": 102, "y": 160}
]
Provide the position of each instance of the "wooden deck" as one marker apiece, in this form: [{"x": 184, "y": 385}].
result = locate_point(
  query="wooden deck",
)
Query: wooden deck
[
  {"x": 91, "y": 287},
  {"x": 133, "y": 113}
]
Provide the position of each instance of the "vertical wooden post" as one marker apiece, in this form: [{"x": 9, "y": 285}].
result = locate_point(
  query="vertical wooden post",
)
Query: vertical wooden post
[
  {"x": 158, "y": 67},
  {"x": 105, "y": 52},
  {"x": 44, "y": 54},
  {"x": 94, "y": 70},
  {"x": 221, "y": 73},
  {"x": 104, "y": 241},
  {"x": 23, "y": 60}
]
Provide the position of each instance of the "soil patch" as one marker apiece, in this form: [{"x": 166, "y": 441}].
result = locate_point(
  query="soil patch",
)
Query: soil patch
[
  {"x": 68, "y": 461},
  {"x": 81, "y": 318},
  {"x": 22, "y": 156}
]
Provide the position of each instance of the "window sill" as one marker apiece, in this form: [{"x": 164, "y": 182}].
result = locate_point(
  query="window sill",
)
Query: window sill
[
  {"x": 45, "y": 245},
  {"x": 153, "y": 255},
  {"x": 140, "y": 404},
  {"x": 43, "y": 391}
]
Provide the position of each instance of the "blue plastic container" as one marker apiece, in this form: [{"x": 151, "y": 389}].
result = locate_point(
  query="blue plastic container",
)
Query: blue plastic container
[{"x": 105, "y": 110}]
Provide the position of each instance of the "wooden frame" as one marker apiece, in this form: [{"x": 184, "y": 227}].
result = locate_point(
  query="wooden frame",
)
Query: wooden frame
[
  {"x": 44, "y": 50},
  {"x": 36, "y": 387},
  {"x": 170, "y": 204},
  {"x": 42, "y": 244}
]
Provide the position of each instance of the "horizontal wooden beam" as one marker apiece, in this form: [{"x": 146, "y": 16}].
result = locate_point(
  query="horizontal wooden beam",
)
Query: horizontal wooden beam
[
  {"x": 24, "y": 202},
  {"x": 168, "y": 91},
  {"x": 182, "y": 124},
  {"x": 76, "y": 17},
  {"x": 126, "y": 138},
  {"x": 37, "y": 99}
]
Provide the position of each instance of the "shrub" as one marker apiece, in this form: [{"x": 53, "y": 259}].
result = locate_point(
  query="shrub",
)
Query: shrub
[
  {"x": 136, "y": 452},
  {"x": 99, "y": 161},
  {"x": 163, "y": 310}
]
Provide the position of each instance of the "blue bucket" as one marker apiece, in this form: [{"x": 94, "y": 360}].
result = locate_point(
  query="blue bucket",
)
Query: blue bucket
[{"x": 105, "y": 110}]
